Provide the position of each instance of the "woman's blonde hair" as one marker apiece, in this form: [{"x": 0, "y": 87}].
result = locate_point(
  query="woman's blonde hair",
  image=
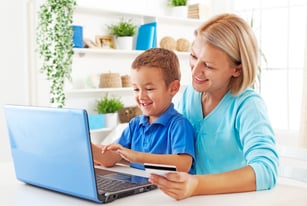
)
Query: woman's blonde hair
[{"x": 235, "y": 37}]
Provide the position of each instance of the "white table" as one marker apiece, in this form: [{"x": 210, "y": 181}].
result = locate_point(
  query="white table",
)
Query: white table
[{"x": 15, "y": 193}]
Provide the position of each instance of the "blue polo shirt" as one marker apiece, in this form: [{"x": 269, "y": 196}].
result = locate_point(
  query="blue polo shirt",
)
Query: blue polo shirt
[{"x": 171, "y": 133}]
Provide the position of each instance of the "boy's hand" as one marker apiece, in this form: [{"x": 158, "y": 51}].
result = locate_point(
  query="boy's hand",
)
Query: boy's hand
[
  {"x": 104, "y": 157},
  {"x": 97, "y": 154},
  {"x": 127, "y": 154}
]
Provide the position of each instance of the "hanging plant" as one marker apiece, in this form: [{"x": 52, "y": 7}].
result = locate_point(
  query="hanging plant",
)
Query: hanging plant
[{"x": 55, "y": 45}]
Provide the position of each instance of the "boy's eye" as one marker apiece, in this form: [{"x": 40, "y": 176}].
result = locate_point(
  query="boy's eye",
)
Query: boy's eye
[{"x": 207, "y": 66}]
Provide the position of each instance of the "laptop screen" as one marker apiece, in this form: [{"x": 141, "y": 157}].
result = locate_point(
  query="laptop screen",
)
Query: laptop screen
[{"x": 51, "y": 148}]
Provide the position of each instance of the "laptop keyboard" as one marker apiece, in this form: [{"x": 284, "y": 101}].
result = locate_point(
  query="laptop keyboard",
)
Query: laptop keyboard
[{"x": 106, "y": 184}]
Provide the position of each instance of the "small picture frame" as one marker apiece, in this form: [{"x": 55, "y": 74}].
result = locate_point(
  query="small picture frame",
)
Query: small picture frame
[
  {"x": 105, "y": 41},
  {"x": 89, "y": 43}
]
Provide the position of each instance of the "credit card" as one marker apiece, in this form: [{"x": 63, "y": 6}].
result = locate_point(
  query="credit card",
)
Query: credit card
[{"x": 159, "y": 169}]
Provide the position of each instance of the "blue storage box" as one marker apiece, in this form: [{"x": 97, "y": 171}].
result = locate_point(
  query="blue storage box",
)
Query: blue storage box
[
  {"x": 96, "y": 121},
  {"x": 147, "y": 36},
  {"x": 78, "y": 36}
]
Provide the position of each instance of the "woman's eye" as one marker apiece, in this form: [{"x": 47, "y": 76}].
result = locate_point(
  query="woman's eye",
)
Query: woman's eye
[
  {"x": 193, "y": 56},
  {"x": 136, "y": 90}
]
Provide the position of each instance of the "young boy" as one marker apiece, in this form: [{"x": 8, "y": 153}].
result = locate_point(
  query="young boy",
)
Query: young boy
[{"x": 161, "y": 135}]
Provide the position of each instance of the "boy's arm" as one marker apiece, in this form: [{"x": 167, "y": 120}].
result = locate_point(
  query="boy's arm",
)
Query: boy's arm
[
  {"x": 105, "y": 158},
  {"x": 183, "y": 162}
]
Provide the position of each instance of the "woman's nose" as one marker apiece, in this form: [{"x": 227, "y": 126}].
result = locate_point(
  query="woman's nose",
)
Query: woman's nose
[{"x": 196, "y": 67}]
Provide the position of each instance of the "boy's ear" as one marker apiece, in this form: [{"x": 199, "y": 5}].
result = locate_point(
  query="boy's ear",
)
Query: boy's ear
[{"x": 174, "y": 87}]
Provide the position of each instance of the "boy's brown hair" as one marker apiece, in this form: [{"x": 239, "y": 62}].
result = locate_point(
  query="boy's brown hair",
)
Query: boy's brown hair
[{"x": 159, "y": 58}]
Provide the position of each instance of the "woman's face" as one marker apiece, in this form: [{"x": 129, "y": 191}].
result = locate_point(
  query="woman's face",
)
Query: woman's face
[{"x": 211, "y": 70}]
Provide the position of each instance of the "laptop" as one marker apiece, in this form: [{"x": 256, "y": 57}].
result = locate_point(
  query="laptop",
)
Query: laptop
[{"x": 51, "y": 148}]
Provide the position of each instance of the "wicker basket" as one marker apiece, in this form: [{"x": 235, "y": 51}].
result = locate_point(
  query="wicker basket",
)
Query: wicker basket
[
  {"x": 127, "y": 113},
  {"x": 110, "y": 80},
  {"x": 182, "y": 45},
  {"x": 126, "y": 81},
  {"x": 168, "y": 42}
]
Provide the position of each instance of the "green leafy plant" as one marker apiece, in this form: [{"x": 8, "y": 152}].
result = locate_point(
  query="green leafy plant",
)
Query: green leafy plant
[
  {"x": 178, "y": 2},
  {"x": 108, "y": 105},
  {"x": 55, "y": 45},
  {"x": 123, "y": 28}
]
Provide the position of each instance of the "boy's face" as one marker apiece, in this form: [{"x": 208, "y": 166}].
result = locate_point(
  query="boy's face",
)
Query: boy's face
[{"x": 150, "y": 91}]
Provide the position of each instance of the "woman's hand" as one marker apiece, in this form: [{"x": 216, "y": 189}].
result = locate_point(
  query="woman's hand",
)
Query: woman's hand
[
  {"x": 178, "y": 185},
  {"x": 127, "y": 154}
]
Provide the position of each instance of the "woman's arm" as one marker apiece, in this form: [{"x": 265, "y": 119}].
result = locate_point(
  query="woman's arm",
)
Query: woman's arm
[{"x": 182, "y": 185}]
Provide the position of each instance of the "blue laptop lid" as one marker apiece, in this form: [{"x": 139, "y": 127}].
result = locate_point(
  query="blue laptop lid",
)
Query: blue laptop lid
[{"x": 51, "y": 149}]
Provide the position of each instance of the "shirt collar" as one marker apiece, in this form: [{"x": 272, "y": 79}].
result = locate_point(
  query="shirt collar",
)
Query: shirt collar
[{"x": 163, "y": 119}]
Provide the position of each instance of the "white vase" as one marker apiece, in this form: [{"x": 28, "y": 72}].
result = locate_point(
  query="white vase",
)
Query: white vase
[
  {"x": 124, "y": 42},
  {"x": 179, "y": 11},
  {"x": 111, "y": 120}
]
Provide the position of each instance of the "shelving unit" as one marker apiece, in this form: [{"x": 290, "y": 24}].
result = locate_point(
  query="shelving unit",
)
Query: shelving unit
[{"x": 89, "y": 63}]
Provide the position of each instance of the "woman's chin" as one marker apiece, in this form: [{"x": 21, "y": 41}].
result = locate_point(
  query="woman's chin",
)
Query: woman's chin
[{"x": 199, "y": 87}]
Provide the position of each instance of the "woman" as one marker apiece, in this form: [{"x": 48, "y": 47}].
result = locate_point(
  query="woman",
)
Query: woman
[{"x": 235, "y": 144}]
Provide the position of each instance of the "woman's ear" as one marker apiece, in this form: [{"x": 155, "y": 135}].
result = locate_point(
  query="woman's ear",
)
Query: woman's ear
[
  {"x": 174, "y": 87},
  {"x": 237, "y": 70}
]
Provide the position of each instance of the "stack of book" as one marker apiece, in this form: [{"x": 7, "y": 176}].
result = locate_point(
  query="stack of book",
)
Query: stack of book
[{"x": 198, "y": 11}]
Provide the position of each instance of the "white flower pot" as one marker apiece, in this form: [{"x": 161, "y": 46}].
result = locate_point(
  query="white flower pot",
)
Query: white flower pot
[
  {"x": 111, "y": 120},
  {"x": 180, "y": 11},
  {"x": 124, "y": 42}
]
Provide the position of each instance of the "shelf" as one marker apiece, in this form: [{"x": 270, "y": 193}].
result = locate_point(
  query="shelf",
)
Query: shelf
[
  {"x": 102, "y": 11},
  {"x": 101, "y": 130},
  {"x": 83, "y": 51},
  {"x": 97, "y": 91},
  {"x": 99, "y": 51}
]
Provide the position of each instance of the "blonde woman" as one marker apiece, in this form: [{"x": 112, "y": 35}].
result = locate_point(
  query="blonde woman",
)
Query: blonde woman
[{"x": 235, "y": 144}]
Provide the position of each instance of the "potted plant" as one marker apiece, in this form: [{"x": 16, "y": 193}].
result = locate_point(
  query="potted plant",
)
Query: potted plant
[
  {"x": 109, "y": 107},
  {"x": 54, "y": 40},
  {"x": 123, "y": 32},
  {"x": 178, "y": 2},
  {"x": 179, "y": 8}
]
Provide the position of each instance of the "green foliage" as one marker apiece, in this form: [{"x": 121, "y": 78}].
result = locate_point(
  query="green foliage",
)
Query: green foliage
[
  {"x": 55, "y": 45},
  {"x": 178, "y": 2},
  {"x": 108, "y": 105},
  {"x": 123, "y": 28}
]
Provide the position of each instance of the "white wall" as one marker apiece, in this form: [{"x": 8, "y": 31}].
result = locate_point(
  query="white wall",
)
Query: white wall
[
  {"x": 303, "y": 130},
  {"x": 13, "y": 79}
]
